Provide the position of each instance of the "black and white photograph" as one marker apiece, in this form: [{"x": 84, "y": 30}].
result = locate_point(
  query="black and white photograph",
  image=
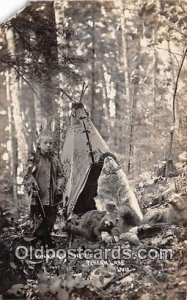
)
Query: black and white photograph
[{"x": 93, "y": 147}]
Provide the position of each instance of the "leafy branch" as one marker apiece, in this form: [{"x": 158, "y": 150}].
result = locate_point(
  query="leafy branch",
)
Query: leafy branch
[{"x": 176, "y": 84}]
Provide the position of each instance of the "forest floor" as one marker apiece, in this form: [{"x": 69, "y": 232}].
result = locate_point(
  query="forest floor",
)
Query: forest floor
[{"x": 152, "y": 277}]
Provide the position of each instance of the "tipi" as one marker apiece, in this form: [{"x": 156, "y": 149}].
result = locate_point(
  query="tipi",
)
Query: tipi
[
  {"x": 80, "y": 156},
  {"x": 83, "y": 156}
]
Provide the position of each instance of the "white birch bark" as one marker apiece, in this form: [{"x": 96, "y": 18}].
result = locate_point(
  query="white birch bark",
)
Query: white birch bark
[
  {"x": 10, "y": 144},
  {"x": 14, "y": 96}
]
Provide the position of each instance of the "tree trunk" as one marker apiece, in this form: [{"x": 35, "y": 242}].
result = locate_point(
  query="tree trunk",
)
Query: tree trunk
[
  {"x": 134, "y": 84},
  {"x": 93, "y": 108},
  {"x": 155, "y": 75},
  {"x": 121, "y": 102},
  {"x": 131, "y": 137},
  {"x": 12, "y": 144},
  {"x": 125, "y": 57},
  {"x": 105, "y": 113},
  {"x": 14, "y": 96},
  {"x": 59, "y": 9}
]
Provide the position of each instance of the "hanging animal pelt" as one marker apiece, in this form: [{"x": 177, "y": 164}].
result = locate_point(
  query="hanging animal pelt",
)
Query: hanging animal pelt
[{"x": 113, "y": 186}]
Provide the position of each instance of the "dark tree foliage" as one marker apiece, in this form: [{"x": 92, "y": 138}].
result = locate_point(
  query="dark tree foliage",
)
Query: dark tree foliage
[{"x": 38, "y": 58}]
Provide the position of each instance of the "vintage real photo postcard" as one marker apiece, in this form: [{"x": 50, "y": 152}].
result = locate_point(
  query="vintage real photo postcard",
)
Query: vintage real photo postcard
[{"x": 93, "y": 147}]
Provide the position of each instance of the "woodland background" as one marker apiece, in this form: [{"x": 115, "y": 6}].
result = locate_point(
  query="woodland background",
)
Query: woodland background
[{"x": 132, "y": 55}]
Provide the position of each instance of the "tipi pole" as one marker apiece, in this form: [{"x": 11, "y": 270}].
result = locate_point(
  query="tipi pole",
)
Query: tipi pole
[{"x": 84, "y": 88}]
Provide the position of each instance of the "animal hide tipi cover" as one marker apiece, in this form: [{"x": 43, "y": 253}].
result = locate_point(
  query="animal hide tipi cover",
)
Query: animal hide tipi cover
[{"x": 83, "y": 145}]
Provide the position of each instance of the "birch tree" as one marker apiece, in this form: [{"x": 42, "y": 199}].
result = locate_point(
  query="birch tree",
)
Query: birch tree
[
  {"x": 12, "y": 142},
  {"x": 15, "y": 103}
]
